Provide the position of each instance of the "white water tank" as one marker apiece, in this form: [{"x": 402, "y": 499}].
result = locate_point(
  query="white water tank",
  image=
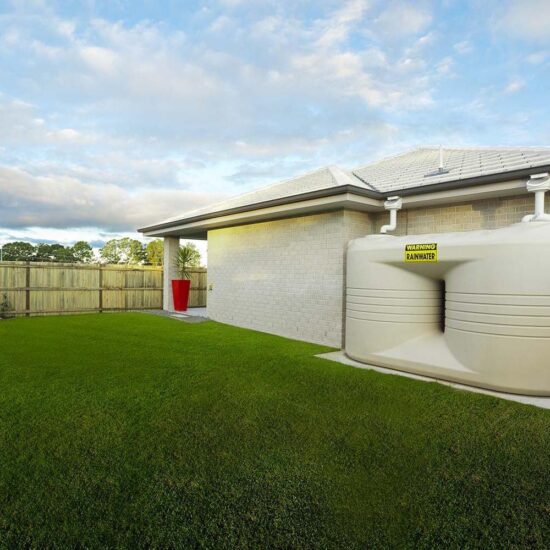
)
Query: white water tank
[{"x": 466, "y": 307}]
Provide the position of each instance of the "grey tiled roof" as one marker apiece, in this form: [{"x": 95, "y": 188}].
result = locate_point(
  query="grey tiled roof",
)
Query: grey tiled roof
[
  {"x": 323, "y": 178},
  {"x": 418, "y": 168}
]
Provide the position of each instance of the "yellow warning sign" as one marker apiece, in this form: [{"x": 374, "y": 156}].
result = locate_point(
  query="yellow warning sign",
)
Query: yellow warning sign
[{"x": 425, "y": 252}]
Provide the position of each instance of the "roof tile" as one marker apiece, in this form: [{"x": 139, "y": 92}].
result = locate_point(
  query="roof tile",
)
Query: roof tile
[{"x": 413, "y": 169}]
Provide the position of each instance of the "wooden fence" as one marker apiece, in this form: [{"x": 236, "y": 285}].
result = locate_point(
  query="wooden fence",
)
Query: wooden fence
[{"x": 36, "y": 288}]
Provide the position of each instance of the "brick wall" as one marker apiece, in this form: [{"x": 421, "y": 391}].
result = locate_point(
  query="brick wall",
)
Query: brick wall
[
  {"x": 485, "y": 214},
  {"x": 285, "y": 277}
]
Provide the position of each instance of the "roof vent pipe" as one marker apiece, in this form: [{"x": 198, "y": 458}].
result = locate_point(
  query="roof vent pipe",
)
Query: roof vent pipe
[
  {"x": 538, "y": 184},
  {"x": 393, "y": 204},
  {"x": 441, "y": 168}
]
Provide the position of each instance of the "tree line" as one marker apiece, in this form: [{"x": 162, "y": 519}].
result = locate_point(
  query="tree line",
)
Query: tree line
[{"x": 115, "y": 251}]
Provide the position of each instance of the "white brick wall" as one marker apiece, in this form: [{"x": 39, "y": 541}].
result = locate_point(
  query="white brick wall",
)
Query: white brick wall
[
  {"x": 285, "y": 277},
  {"x": 467, "y": 216}
]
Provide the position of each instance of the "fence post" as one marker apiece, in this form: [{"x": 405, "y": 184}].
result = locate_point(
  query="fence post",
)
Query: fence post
[
  {"x": 28, "y": 289},
  {"x": 126, "y": 289},
  {"x": 100, "y": 289}
]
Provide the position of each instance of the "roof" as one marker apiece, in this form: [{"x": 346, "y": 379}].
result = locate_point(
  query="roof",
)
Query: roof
[
  {"x": 414, "y": 171},
  {"x": 322, "y": 178},
  {"x": 420, "y": 167}
]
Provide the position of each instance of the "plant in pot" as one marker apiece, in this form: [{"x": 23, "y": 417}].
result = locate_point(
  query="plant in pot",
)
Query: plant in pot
[
  {"x": 187, "y": 257},
  {"x": 5, "y": 307}
]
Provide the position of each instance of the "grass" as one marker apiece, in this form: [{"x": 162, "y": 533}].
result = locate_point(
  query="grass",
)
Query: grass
[{"x": 132, "y": 430}]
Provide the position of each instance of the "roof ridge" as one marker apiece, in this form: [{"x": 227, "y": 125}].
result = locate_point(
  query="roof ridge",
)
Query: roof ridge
[
  {"x": 346, "y": 177},
  {"x": 386, "y": 158},
  {"x": 349, "y": 178}
]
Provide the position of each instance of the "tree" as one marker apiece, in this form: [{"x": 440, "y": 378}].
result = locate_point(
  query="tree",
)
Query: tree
[
  {"x": 82, "y": 252},
  {"x": 18, "y": 251},
  {"x": 43, "y": 253},
  {"x": 47, "y": 252},
  {"x": 155, "y": 252},
  {"x": 110, "y": 252},
  {"x": 125, "y": 250},
  {"x": 136, "y": 252},
  {"x": 62, "y": 253},
  {"x": 53, "y": 253}
]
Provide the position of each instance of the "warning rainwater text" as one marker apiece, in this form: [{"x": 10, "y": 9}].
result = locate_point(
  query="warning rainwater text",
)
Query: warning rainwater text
[{"x": 423, "y": 252}]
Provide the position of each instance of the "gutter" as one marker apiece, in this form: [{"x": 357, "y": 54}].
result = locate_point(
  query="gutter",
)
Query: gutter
[{"x": 353, "y": 189}]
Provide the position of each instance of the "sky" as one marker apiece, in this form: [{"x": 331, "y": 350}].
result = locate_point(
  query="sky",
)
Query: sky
[{"x": 116, "y": 114}]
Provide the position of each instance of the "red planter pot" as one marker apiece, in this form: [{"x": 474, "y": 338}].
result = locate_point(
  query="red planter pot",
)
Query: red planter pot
[{"x": 180, "y": 292}]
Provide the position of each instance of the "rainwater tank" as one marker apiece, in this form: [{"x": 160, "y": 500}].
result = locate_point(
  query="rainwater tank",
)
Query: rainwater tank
[{"x": 468, "y": 307}]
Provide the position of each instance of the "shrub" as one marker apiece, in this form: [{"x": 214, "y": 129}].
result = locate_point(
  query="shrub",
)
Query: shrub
[{"x": 5, "y": 307}]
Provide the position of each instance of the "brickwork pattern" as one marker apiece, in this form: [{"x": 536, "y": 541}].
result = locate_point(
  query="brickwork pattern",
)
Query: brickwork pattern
[
  {"x": 485, "y": 214},
  {"x": 285, "y": 277}
]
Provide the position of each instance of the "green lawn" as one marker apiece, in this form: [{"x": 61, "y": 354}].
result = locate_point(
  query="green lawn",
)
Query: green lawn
[{"x": 132, "y": 430}]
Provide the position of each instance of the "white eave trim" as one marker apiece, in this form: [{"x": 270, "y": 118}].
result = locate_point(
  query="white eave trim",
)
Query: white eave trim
[
  {"x": 466, "y": 194},
  {"x": 291, "y": 210}
]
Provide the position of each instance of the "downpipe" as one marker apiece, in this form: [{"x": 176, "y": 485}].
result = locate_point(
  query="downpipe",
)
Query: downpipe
[
  {"x": 393, "y": 204},
  {"x": 538, "y": 184}
]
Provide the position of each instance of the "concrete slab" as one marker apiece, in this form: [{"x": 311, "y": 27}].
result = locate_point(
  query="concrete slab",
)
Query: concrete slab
[
  {"x": 197, "y": 312},
  {"x": 192, "y": 315},
  {"x": 341, "y": 357}
]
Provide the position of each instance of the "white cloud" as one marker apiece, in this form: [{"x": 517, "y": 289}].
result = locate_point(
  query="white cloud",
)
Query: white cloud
[
  {"x": 444, "y": 67},
  {"x": 463, "y": 47},
  {"x": 213, "y": 98},
  {"x": 102, "y": 60},
  {"x": 537, "y": 58},
  {"x": 21, "y": 124},
  {"x": 527, "y": 19},
  {"x": 515, "y": 85},
  {"x": 335, "y": 29},
  {"x": 61, "y": 201},
  {"x": 223, "y": 23},
  {"x": 400, "y": 19}
]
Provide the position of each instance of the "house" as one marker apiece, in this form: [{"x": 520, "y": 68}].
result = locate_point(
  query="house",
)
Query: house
[{"x": 276, "y": 256}]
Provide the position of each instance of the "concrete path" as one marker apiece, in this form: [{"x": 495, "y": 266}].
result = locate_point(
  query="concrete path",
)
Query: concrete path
[
  {"x": 341, "y": 357},
  {"x": 192, "y": 315}
]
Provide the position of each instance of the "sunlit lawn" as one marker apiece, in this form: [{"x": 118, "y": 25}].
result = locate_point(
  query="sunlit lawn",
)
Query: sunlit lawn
[{"x": 133, "y": 430}]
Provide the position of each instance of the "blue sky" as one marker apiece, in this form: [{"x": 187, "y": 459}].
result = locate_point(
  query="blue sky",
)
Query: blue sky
[{"x": 116, "y": 114}]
